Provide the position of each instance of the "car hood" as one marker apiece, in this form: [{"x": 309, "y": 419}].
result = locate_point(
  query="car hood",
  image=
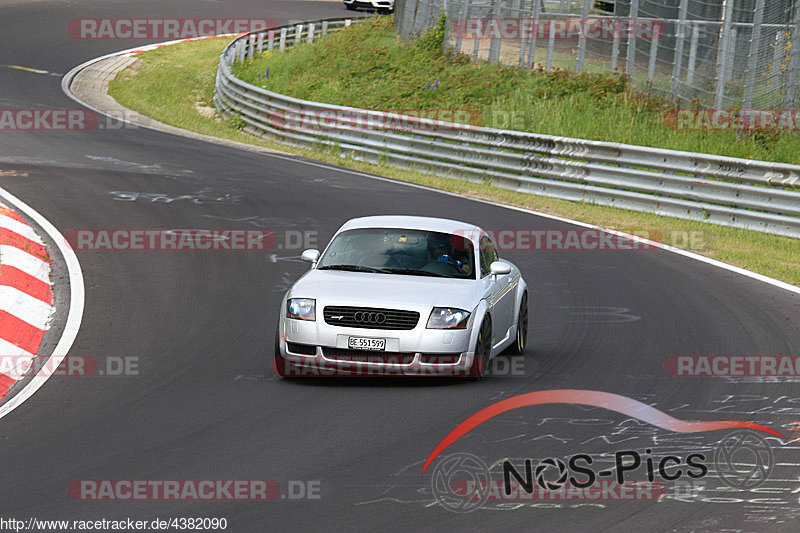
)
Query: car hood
[{"x": 332, "y": 287}]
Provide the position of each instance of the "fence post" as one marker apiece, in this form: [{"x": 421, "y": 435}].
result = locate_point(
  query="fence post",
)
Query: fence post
[
  {"x": 494, "y": 44},
  {"x": 310, "y": 32},
  {"x": 251, "y": 47},
  {"x": 551, "y": 44},
  {"x": 752, "y": 60},
  {"x": 723, "y": 52},
  {"x": 794, "y": 62},
  {"x": 651, "y": 67},
  {"x": 476, "y": 42},
  {"x": 680, "y": 38},
  {"x": 776, "y": 60},
  {"x": 537, "y": 13},
  {"x": 615, "y": 45},
  {"x": 587, "y": 4},
  {"x": 630, "y": 58},
  {"x": 260, "y": 43},
  {"x": 461, "y": 25},
  {"x": 283, "y": 39},
  {"x": 693, "y": 53}
]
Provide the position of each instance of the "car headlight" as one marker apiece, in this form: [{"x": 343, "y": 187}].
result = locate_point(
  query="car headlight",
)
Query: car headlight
[
  {"x": 301, "y": 308},
  {"x": 448, "y": 318}
]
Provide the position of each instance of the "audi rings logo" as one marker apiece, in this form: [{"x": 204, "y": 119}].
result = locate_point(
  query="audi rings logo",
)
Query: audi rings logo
[
  {"x": 450, "y": 490},
  {"x": 369, "y": 317},
  {"x": 743, "y": 459}
]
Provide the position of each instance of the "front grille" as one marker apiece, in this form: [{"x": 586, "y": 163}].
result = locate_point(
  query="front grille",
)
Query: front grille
[
  {"x": 302, "y": 349},
  {"x": 368, "y": 356},
  {"x": 370, "y": 318}
]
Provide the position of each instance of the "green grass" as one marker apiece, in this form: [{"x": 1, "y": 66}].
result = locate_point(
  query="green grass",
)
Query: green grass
[
  {"x": 368, "y": 66},
  {"x": 174, "y": 83}
]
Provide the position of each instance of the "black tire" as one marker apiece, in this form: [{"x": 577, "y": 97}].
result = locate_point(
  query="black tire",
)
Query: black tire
[
  {"x": 351, "y": 7},
  {"x": 521, "y": 341},
  {"x": 278, "y": 365},
  {"x": 483, "y": 349}
]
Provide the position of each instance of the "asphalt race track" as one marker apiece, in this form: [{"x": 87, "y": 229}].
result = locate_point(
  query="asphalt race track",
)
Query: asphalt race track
[{"x": 204, "y": 404}]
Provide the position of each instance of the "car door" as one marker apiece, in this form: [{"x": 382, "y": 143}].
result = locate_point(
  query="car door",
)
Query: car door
[{"x": 498, "y": 292}]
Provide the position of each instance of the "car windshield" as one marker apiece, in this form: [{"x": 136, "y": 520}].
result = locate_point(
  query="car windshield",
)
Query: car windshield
[{"x": 401, "y": 251}]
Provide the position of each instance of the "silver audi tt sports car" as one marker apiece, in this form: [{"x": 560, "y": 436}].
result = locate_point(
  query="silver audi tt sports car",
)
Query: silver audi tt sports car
[{"x": 402, "y": 295}]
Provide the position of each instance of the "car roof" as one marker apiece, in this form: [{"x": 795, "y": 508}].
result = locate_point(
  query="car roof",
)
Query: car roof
[{"x": 443, "y": 225}]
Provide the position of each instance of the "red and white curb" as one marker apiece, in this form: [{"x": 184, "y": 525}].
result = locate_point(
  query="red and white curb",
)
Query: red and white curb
[{"x": 26, "y": 296}]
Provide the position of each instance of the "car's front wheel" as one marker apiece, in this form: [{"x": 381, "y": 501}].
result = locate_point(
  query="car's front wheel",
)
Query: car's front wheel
[
  {"x": 521, "y": 342},
  {"x": 483, "y": 349},
  {"x": 351, "y": 7}
]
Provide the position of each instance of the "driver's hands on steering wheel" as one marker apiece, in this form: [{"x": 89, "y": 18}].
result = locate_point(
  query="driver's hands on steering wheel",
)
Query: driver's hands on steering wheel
[{"x": 460, "y": 265}]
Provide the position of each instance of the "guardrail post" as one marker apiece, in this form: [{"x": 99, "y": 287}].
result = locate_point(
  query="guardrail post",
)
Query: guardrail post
[
  {"x": 283, "y": 40},
  {"x": 630, "y": 57},
  {"x": 240, "y": 49},
  {"x": 680, "y": 37},
  {"x": 551, "y": 45},
  {"x": 298, "y": 31},
  {"x": 260, "y": 43},
  {"x": 251, "y": 47},
  {"x": 310, "y": 32},
  {"x": 794, "y": 62},
  {"x": 324, "y": 28},
  {"x": 347, "y": 23},
  {"x": 587, "y": 4},
  {"x": 723, "y": 52},
  {"x": 693, "y": 54}
]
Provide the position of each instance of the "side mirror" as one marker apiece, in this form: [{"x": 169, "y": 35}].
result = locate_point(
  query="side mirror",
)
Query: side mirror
[
  {"x": 311, "y": 255},
  {"x": 499, "y": 268}
]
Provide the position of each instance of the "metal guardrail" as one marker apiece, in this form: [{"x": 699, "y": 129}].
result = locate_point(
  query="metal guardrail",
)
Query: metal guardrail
[{"x": 755, "y": 195}]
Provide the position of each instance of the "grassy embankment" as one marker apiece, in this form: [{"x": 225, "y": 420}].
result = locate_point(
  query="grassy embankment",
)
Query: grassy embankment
[{"x": 367, "y": 66}]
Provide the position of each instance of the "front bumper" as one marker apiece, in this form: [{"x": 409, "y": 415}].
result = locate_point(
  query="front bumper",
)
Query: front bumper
[{"x": 315, "y": 348}]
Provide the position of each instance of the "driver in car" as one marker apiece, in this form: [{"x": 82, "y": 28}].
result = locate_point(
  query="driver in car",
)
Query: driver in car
[{"x": 442, "y": 251}]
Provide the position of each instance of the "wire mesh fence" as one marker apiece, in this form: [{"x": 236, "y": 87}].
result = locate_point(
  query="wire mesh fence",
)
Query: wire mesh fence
[{"x": 721, "y": 54}]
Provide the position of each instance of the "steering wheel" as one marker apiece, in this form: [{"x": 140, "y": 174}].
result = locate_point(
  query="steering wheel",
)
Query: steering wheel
[{"x": 446, "y": 259}]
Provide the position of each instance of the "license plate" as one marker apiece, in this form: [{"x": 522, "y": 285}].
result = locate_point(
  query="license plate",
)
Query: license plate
[{"x": 363, "y": 343}]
